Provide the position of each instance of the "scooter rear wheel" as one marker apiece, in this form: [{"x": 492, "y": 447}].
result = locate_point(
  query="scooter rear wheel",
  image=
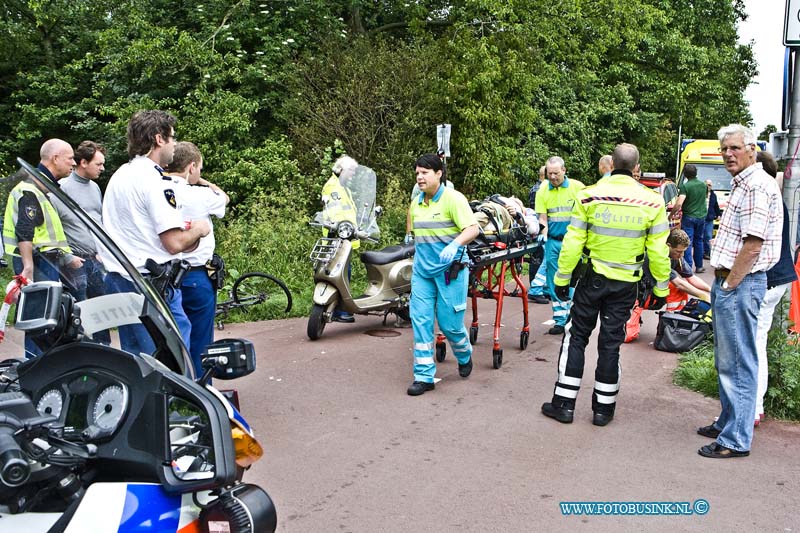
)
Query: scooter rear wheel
[{"x": 316, "y": 322}]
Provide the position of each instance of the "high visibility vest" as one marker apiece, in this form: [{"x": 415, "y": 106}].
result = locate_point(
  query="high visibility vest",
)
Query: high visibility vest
[
  {"x": 557, "y": 203},
  {"x": 437, "y": 224},
  {"x": 47, "y": 236},
  {"x": 339, "y": 205},
  {"x": 614, "y": 222}
]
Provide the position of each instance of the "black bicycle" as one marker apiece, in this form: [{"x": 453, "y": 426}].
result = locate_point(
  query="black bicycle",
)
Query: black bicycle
[{"x": 255, "y": 292}]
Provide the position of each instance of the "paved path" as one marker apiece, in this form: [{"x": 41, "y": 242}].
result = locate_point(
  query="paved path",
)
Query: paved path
[{"x": 348, "y": 450}]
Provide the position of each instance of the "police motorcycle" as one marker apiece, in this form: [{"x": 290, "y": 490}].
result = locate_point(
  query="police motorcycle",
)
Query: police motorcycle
[
  {"x": 93, "y": 438},
  {"x": 388, "y": 270}
]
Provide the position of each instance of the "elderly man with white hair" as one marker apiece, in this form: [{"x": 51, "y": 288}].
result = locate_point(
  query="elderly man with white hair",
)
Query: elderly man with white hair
[{"x": 748, "y": 243}]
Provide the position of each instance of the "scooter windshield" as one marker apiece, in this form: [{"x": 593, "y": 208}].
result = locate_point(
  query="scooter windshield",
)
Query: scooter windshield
[
  {"x": 352, "y": 199},
  {"x": 103, "y": 310}
]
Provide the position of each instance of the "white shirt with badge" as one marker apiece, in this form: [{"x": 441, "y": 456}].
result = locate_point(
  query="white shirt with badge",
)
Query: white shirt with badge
[
  {"x": 199, "y": 202},
  {"x": 139, "y": 205}
]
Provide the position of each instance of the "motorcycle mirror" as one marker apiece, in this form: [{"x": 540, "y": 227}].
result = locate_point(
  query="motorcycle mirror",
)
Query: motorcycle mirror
[{"x": 228, "y": 359}]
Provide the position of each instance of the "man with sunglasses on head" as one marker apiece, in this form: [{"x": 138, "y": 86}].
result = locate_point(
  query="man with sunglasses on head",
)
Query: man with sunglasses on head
[{"x": 748, "y": 243}]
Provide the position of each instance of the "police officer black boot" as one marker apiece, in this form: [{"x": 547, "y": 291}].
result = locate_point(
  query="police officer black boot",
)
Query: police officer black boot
[
  {"x": 560, "y": 410},
  {"x": 602, "y": 419}
]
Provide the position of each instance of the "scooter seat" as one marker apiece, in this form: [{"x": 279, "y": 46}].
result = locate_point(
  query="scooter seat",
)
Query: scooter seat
[{"x": 390, "y": 254}]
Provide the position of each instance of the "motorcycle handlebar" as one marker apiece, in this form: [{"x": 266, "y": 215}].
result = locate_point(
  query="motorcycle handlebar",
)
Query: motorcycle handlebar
[{"x": 14, "y": 469}]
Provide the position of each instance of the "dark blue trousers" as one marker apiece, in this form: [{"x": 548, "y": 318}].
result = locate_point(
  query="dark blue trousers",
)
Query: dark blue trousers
[{"x": 199, "y": 304}]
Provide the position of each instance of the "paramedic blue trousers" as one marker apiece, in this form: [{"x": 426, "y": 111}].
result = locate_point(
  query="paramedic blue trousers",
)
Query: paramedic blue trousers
[
  {"x": 552, "y": 249},
  {"x": 538, "y": 280},
  {"x": 612, "y": 300},
  {"x": 449, "y": 302}
]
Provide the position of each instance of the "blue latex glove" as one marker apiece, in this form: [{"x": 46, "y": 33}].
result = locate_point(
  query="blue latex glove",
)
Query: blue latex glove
[
  {"x": 449, "y": 252},
  {"x": 542, "y": 238}
]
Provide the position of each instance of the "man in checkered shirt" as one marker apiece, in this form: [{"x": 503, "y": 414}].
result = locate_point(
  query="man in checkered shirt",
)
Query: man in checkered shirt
[{"x": 748, "y": 243}]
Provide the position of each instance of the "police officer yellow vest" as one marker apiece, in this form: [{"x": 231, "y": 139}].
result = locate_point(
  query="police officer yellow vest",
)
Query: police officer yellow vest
[
  {"x": 616, "y": 221},
  {"x": 339, "y": 205},
  {"x": 47, "y": 236}
]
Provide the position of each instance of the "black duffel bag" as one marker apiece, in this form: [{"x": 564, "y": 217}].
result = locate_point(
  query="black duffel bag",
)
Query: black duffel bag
[{"x": 679, "y": 333}]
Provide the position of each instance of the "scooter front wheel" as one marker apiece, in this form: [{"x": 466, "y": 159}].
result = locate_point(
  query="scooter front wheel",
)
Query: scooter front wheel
[{"x": 316, "y": 322}]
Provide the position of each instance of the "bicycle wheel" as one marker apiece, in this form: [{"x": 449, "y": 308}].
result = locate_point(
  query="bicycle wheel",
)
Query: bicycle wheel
[{"x": 263, "y": 294}]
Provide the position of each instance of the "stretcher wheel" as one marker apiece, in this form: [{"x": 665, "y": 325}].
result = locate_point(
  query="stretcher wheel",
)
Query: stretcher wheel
[
  {"x": 497, "y": 358},
  {"x": 473, "y": 334},
  {"x": 523, "y": 340},
  {"x": 441, "y": 351}
]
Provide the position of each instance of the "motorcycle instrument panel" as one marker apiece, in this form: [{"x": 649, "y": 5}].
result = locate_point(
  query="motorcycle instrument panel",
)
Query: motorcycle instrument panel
[{"x": 90, "y": 404}]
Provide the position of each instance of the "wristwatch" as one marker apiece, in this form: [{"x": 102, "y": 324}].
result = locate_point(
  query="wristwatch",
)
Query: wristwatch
[{"x": 725, "y": 285}]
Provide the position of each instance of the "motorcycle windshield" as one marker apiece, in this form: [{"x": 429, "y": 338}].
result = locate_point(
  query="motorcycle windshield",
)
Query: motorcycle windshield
[
  {"x": 351, "y": 197},
  {"x": 104, "y": 307}
]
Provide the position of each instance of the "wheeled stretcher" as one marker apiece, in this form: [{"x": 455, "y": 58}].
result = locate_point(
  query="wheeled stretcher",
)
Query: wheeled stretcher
[{"x": 491, "y": 256}]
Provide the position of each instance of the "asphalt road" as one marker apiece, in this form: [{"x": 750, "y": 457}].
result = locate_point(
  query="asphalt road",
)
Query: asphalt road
[{"x": 347, "y": 450}]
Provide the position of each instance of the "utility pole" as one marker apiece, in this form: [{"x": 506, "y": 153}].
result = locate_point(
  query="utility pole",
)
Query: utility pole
[
  {"x": 791, "y": 185},
  {"x": 791, "y": 182}
]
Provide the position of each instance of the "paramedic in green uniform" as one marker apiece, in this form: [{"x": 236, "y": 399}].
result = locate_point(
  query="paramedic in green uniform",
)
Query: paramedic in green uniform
[
  {"x": 554, "y": 203},
  {"x": 443, "y": 224}
]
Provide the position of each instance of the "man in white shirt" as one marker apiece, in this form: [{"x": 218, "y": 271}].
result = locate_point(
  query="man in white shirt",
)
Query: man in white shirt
[
  {"x": 197, "y": 199},
  {"x": 141, "y": 215}
]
